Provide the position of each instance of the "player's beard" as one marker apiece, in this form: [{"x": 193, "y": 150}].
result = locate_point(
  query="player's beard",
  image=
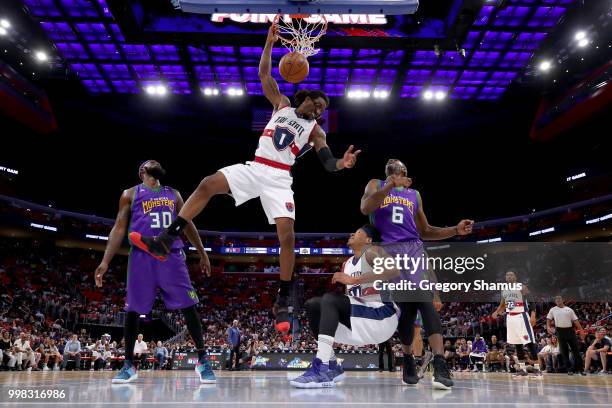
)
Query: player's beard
[{"x": 156, "y": 172}]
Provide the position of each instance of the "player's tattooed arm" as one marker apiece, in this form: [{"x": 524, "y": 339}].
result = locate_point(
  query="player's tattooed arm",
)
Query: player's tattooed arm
[
  {"x": 373, "y": 196},
  {"x": 268, "y": 83},
  {"x": 431, "y": 233},
  {"x": 115, "y": 238},
  {"x": 192, "y": 234},
  {"x": 331, "y": 163}
]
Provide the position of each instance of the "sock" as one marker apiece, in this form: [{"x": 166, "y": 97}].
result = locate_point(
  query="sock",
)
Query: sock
[
  {"x": 285, "y": 288},
  {"x": 129, "y": 334},
  {"x": 326, "y": 348},
  {"x": 177, "y": 226}
]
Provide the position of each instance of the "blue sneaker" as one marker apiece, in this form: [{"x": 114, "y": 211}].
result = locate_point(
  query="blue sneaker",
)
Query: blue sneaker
[
  {"x": 336, "y": 372},
  {"x": 317, "y": 376},
  {"x": 127, "y": 374},
  {"x": 205, "y": 372}
]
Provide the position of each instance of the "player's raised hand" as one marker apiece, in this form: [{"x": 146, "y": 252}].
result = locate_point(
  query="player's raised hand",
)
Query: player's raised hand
[
  {"x": 273, "y": 33},
  {"x": 465, "y": 227},
  {"x": 495, "y": 314},
  {"x": 99, "y": 273},
  {"x": 350, "y": 157},
  {"x": 205, "y": 264}
]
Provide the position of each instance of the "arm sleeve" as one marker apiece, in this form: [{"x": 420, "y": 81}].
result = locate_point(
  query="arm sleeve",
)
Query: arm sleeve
[
  {"x": 327, "y": 159},
  {"x": 550, "y": 316}
]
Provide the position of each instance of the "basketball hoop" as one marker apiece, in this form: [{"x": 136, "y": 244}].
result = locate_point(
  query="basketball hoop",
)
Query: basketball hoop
[{"x": 299, "y": 35}]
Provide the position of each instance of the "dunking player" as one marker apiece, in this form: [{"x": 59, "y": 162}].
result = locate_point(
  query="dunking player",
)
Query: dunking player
[
  {"x": 147, "y": 208},
  {"x": 290, "y": 132},
  {"x": 397, "y": 212},
  {"x": 357, "y": 318},
  {"x": 519, "y": 330}
]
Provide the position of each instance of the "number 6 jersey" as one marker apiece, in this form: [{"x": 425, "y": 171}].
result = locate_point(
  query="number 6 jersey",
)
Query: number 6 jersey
[
  {"x": 153, "y": 210},
  {"x": 394, "y": 218}
]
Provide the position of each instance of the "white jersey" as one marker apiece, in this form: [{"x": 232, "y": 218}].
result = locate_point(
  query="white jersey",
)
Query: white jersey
[
  {"x": 285, "y": 137},
  {"x": 356, "y": 267},
  {"x": 514, "y": 300}
]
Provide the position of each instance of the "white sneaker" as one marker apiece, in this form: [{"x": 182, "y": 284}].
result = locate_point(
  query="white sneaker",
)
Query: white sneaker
[
  {"x": 45, "y": 368},
  {"x": 56, "y": 368}
]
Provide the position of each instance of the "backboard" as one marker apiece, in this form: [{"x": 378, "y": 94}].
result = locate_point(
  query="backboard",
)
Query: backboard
[{"x": 389, "y": 7}]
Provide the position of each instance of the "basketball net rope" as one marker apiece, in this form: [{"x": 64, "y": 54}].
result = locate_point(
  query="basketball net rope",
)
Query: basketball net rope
[{"x": 303, "y": 35}]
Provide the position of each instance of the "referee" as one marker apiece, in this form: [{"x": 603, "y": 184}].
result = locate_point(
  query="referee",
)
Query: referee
[{"x": 565, "y": 321}]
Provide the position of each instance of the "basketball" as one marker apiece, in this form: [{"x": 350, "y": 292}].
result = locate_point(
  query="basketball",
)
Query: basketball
[{"x": 293, "y": 67}]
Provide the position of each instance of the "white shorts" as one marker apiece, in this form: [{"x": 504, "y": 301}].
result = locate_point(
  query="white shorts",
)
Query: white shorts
[
  {"x": 271, "y": 185},
  {"x": 371, "y": 323},
  {"x": 519, "y": 330}
]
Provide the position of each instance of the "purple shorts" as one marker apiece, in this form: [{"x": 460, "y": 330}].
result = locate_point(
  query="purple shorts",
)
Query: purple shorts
[{"x": 146, "y": 274}]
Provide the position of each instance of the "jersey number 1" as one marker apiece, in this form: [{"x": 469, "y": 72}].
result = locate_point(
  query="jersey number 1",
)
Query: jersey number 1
[{"x": 166, "y": 219}]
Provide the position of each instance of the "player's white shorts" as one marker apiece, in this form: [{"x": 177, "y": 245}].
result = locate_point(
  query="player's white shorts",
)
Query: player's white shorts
[
  {"x": 271, "y": 185},
  {"x": 371, "y": 323},
  {"x": 519, "y": 330}
]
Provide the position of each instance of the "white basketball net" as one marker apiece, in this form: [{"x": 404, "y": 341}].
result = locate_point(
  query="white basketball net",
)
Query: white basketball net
[{"x": 301, "y": 34}]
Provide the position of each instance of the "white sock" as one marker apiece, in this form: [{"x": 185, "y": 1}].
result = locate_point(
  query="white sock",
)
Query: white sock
[{"x": 326, "y": 348}]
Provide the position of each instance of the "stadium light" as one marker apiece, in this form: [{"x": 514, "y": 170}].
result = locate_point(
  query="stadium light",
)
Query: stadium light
[
  {"x": 440, "y": 95},
  {"x": 156, "y": 90},
  {"x": 3, "y": 31},
  {"x": 4, "y": 23},
  {"x": 583, "y": 43},
  {"x": 41, "y": 56},
  {"x": 428, "y": 95},
  {"x": 545, "y": 66},
  {"x": 235, "y": 92},
  {"x": 381, "y": 94},
  {"x": 580, "y": 35},
  {"x": 210, "y": 91}
]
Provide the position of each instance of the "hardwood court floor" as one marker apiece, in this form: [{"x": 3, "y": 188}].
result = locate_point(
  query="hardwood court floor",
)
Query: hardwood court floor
[{"x": 271, "y": 388}]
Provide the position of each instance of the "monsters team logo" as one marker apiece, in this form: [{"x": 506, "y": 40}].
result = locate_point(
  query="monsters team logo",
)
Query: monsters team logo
[{"x": 289, "y": 206}]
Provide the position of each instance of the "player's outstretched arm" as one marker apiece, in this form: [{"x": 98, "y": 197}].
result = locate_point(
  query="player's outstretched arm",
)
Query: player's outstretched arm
[
  {"x": 192, "y": 234},
  {"x": 115, "y": 238},
  {"x": 329, "y": 162},
  {"x": 431, "y": 233},
  {"x": 268, "y": 83}
]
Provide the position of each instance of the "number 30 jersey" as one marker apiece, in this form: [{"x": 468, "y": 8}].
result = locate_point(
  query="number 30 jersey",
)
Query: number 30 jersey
[
  {"x": 285, "y": 137},
  {"x": 394, "y": 218},
  {"x": 153, "y": 210}
]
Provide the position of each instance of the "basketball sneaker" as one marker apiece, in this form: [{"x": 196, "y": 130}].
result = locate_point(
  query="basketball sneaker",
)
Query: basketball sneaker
[
  {"x": 317, "y": 376},
  {"x": 158, "y": 247},
  {"x": 336, "y": 372},
  {"x": 409, "y": 373},
  {"x": 281, "y": 313},
  {"x": 205, "y": 372},
  {"x": 441, "y": 377},
  {"x": 127, "y": 374}
]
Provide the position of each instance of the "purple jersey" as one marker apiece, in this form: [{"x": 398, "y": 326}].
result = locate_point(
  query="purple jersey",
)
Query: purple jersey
[
  {"x": 394, "y": 219},
  {"x": 153, "y": 210}
]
